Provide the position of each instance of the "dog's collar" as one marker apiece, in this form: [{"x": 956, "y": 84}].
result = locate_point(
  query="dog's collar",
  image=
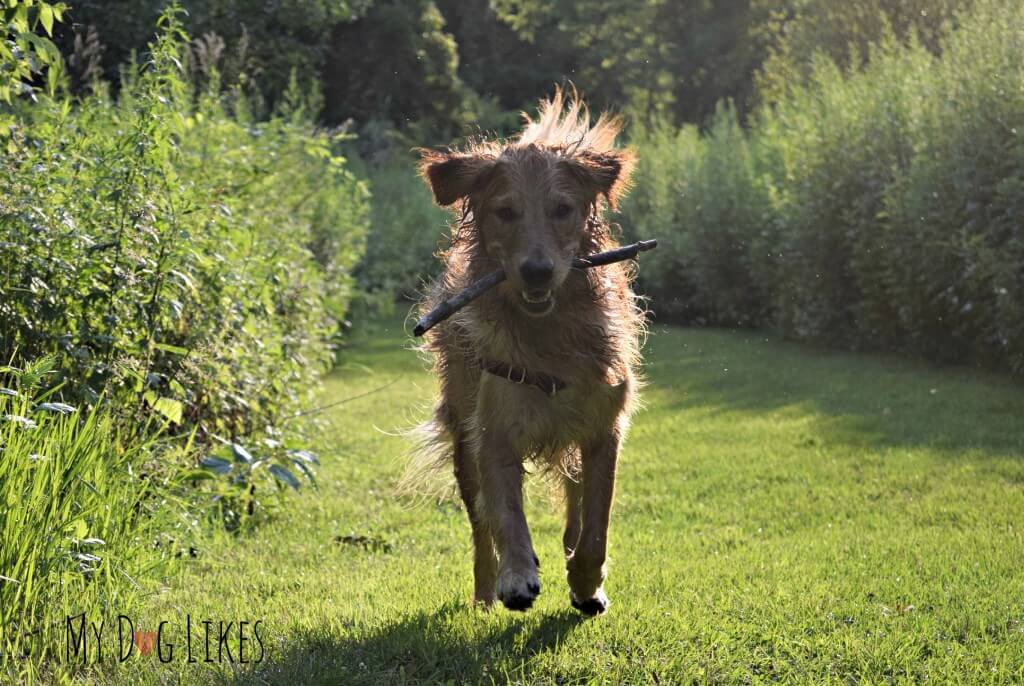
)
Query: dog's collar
[{"x": 545, "y": 382}]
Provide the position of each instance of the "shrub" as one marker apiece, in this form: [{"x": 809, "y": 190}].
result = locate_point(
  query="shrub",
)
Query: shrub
[
  {"x": 173, "y": 253},
  {"x": 957, "y": 205},
  {"x": 24, "y": 55},
  {"x": 877, "y": 207},
  {"x": 687, "y": 191},
  {"x": 406, "y": 230},
  {"x": 179, "y": 270},
  {"x": 838, "y": 140}
]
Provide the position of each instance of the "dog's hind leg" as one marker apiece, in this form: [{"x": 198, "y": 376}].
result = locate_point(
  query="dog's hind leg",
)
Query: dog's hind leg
[
  {"x": 485, "y": 562},
  {"x": 587, "y": 565}
]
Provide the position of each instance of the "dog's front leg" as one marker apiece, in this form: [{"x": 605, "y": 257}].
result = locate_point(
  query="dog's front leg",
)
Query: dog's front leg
[
  {"x": 501, "y": 484},
  {"x": 586, "y": 566}
]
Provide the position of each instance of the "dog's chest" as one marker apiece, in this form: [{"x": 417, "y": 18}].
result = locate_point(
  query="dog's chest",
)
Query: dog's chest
[
  {"x": 531, "y": 417},
  {"x": 597, "y": 380},
  {"x": 577, "y": 355}
]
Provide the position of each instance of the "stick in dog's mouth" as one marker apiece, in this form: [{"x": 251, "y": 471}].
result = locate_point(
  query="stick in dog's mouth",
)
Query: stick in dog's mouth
[{"x": 538, "y": 303}]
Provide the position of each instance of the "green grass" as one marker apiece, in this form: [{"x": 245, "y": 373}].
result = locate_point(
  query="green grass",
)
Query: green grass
[
  {"x": 783, "y": 514},
  {"x": 76, "y": 499}
]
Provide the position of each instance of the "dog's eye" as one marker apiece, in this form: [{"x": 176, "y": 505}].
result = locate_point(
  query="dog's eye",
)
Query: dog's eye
[
  {"x": 562, "y": 211},
  {"x": 506, "y": 214}
]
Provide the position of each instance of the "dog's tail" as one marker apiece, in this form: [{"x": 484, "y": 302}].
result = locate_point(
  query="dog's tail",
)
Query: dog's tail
[{"x": 428, "y": 472}]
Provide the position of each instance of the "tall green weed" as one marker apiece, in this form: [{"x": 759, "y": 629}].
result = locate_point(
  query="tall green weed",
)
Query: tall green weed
[{"x": 86, "y": 513}]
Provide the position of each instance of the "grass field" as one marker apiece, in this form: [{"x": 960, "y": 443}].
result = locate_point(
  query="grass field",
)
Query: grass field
[{"x": 783, "y": 514}]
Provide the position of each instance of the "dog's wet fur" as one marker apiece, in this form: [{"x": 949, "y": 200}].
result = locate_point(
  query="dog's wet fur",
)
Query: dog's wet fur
[{"x": 529, "y": 206}]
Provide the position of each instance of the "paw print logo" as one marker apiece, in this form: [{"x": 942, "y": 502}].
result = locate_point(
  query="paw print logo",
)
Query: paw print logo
[{"x": 144, "y": 641}]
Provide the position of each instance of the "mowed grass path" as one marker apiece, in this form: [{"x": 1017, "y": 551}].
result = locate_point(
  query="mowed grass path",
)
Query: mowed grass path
[{"x": 783, "y": 514}]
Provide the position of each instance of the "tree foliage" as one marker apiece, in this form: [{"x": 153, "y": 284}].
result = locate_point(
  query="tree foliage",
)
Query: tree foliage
[
  {"x": 25, "y": 55},
  {"x": 795, "y": 31},
  {"x": 398, "y": 64},
  {"x": 660, "y": 58},
  {"x": 439, "y": 68}
]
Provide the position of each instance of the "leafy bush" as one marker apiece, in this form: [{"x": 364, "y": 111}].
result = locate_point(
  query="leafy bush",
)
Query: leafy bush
[
  {"x": 406, "y": 230},
  {"x": 838, "y": 141},
  {"x": 23, "y": 54},
  {"x": 957, "y": 204},
  {"x": 686, "y": 195},
  {"x": 179, "y": 270},
  {"x": 655, "y": 208},
  {"x": 876, "y": 207},
  {"x": 846, "y": 32},
  {"x": 176, "y": 255}
]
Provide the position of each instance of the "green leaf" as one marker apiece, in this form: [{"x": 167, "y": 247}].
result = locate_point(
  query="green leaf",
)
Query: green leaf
[
  {"x": 168, "y": 348},
  {"x": 196, "y": 475},
  {"x": 20, "y": 20},
  {"x": 304, "y": 455},
  {"x": 241, "y": 454},
  {"x": 52, "y": 79},
  {"x": 284, "y": 475},
  {"x": 305, "y": 469},
  {"x": 78, "y": 528},
  {"x": 63, "y": 408},
  {"x": 46, "y": 17},
  {"x": 169, "y": 408},
  {"x": 216, "y": 464}
]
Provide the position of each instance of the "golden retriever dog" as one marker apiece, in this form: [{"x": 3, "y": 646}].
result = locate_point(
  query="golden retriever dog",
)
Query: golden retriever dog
[{"x": 542, "y": 367}]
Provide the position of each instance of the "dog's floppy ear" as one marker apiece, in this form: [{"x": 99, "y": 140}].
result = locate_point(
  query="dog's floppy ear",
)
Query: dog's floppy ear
[
  {"x": 604, "y": 173},
  {"x": 453, "y": 175}
]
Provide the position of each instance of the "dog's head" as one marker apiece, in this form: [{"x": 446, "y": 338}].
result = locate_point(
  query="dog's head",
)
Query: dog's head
[{"x": 534, "y": 202}]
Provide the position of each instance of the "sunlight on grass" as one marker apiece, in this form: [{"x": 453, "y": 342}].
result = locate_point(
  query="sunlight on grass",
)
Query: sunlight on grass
[{"x": 782, "y": 513}]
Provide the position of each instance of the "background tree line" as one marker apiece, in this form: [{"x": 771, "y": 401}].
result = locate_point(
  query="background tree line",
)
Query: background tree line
[{"x": 439, "y": 68}]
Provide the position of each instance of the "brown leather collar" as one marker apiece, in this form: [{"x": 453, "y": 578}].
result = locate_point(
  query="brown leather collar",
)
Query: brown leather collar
[{"x": 545, "y": 382}]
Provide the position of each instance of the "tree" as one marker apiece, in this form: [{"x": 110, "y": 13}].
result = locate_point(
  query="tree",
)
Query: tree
[
  {"x": 655, "y": 56},
  {"x": 396, "y": 63},
  {"x": 266, "y": 41},
  {"x": 797, "y": 30}
]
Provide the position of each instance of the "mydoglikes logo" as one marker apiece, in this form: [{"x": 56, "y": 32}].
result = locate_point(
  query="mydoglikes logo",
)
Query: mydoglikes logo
[{"x": 191, "y": 640}]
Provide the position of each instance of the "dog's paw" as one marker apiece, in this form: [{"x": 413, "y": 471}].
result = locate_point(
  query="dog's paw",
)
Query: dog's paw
[
  {"x": 596, "y": 605},
  {"x": 585, "y": 576},
  {"x": 517, "y": 589}
]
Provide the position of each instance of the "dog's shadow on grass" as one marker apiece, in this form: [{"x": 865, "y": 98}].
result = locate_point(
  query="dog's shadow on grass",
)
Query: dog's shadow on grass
[{"x": 450, "y": 645}]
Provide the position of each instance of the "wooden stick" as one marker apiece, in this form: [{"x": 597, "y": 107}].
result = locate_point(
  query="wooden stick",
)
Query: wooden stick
[{"x": 447, "y": 308}]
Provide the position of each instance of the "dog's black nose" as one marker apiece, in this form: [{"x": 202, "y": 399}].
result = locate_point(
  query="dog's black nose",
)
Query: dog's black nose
[{"x": 537, "y": 272}]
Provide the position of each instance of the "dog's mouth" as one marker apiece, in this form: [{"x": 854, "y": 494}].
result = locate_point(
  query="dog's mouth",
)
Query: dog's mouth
[{"x": 536, "y": 302}]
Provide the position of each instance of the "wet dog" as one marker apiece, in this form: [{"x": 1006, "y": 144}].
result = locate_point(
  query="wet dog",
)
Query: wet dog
[{"x": 543, "y": 367}]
